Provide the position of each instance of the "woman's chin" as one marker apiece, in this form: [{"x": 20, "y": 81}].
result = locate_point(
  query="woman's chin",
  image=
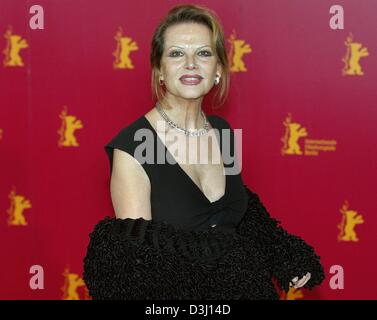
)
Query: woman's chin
[{"x": 192, "y": 94}]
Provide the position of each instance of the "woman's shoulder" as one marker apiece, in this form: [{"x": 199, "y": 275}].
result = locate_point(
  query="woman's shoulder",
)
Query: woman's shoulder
[
  {"x": 126, "y": 137},
  {"x": 132, "y": 126},
  {"x": 219, "y": 121},
  {"x": 129, "y": 130}
]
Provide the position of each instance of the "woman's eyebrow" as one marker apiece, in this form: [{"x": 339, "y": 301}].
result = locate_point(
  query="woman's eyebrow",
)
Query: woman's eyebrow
[{"x": 207, "y": 45}]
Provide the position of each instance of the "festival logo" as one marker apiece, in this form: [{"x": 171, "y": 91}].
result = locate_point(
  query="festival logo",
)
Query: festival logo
[
  {"x": 292, "y": 294},
  {"x": 69, "y": 124},
  {"x": 71, "y": 286},
  {"x": 238, "y": 48},
  {"x": 294, "y": 133},
  {"x": 14, "y": 44},
  {"x": 18, "y": 204},
  {"x": 355, "y": 51},
  {"x": 125, "y": 45},
  {"x": 350, "y": 219}
]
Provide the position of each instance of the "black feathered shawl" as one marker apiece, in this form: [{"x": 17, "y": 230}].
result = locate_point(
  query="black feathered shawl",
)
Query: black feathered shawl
[{"x": 137, "y": 259}]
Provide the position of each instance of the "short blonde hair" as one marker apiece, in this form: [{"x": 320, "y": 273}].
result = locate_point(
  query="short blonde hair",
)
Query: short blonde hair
[{"x": 193, "y": 14}]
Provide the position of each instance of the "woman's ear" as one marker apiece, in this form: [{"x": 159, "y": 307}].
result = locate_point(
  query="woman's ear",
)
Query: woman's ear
[
  {"x": 160, "y": 74},
  {"x": 219, "y": 69}
]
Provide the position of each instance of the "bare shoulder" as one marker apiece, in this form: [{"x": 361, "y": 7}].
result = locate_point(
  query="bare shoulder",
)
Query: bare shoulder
[{"x": 130, "y": 187}]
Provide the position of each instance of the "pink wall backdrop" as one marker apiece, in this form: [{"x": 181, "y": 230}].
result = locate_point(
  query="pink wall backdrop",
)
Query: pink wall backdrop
[{"x": 303, "y": 94}]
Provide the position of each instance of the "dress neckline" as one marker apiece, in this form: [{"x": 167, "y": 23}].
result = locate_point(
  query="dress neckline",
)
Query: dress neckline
[{"x": 219, "y": 142}]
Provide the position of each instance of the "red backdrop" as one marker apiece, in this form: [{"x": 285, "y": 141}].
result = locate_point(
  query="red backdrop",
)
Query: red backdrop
[{"x": 303, "y": 94}]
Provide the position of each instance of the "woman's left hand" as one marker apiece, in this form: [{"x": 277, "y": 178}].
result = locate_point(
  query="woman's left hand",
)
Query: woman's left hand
[{"x": 298, "y": 283}]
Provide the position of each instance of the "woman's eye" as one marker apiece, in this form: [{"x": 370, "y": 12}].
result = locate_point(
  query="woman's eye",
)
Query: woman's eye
[
  {"x": 172, "y": 53},
  {"x": 204, "y": 53},
  {"x": 207, "y": 53}
]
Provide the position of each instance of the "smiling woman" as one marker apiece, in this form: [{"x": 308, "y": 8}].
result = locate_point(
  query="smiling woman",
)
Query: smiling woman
[
  {"x": 189, "y": 231},
  {"x": 192, "y": 36}
]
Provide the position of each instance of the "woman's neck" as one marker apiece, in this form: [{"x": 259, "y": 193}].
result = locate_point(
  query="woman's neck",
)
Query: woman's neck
[{"x": 185, "y": 113}]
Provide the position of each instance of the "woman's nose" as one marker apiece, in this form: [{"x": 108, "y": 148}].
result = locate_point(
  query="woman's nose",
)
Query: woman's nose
[
  {"x": 190, "y": 63},
  {"x": 190, "y": 67}
]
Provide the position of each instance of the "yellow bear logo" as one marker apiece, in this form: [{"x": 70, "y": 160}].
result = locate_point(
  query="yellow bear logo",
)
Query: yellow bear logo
[
  {"x": 292, "y": 294},
  {"x": 16, "y": 211},
  {"x": 125, "y": 45},
  {"x": 238, "y": 48},
  {"x": 67, "y": 130},
  {"x": 71, "y": 285},
  {"x": 15, "y": 43},
  {"x": 355, "y": 51},
  {"x": 350, "y": 218},
  {"x": 293, "y": 132}
]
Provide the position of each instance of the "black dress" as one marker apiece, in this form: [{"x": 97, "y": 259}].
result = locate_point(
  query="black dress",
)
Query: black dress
[
  {"x": 172, "y": 190},
  {"x": 193, "y": 248}
]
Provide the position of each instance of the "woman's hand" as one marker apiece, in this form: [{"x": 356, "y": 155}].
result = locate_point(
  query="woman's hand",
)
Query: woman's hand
[{"x": 298, "y": 283}]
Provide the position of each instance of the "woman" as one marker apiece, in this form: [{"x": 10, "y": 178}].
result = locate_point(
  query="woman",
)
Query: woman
[{"x": 183, "y": 230}]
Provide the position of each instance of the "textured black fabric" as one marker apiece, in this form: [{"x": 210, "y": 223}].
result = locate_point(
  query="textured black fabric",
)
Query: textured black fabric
[
  {"x": 287, "y": 255},
  {"x": 143, "y": 259}
]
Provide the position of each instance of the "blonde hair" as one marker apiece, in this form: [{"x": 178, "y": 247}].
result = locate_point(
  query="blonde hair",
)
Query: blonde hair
[{"x": 193, "y": 14}]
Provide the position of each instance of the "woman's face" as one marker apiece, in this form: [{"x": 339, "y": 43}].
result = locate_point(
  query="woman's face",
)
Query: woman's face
[{"x": 188, "y": 51}]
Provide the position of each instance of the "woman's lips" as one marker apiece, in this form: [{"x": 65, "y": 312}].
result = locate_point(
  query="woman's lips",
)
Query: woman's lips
[{"x": 190, "y": 81}]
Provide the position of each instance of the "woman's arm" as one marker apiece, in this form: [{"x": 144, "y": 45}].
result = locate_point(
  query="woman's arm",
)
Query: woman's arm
[
  {"x": 130, "y": 187},
  {"x": 141, "y": 259},
  {"x": 133, "y": 257},
  {"x": 287, "y": 254}
]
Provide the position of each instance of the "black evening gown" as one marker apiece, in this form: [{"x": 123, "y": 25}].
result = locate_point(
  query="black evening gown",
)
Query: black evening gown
[{"x": 193, "y": 248}]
